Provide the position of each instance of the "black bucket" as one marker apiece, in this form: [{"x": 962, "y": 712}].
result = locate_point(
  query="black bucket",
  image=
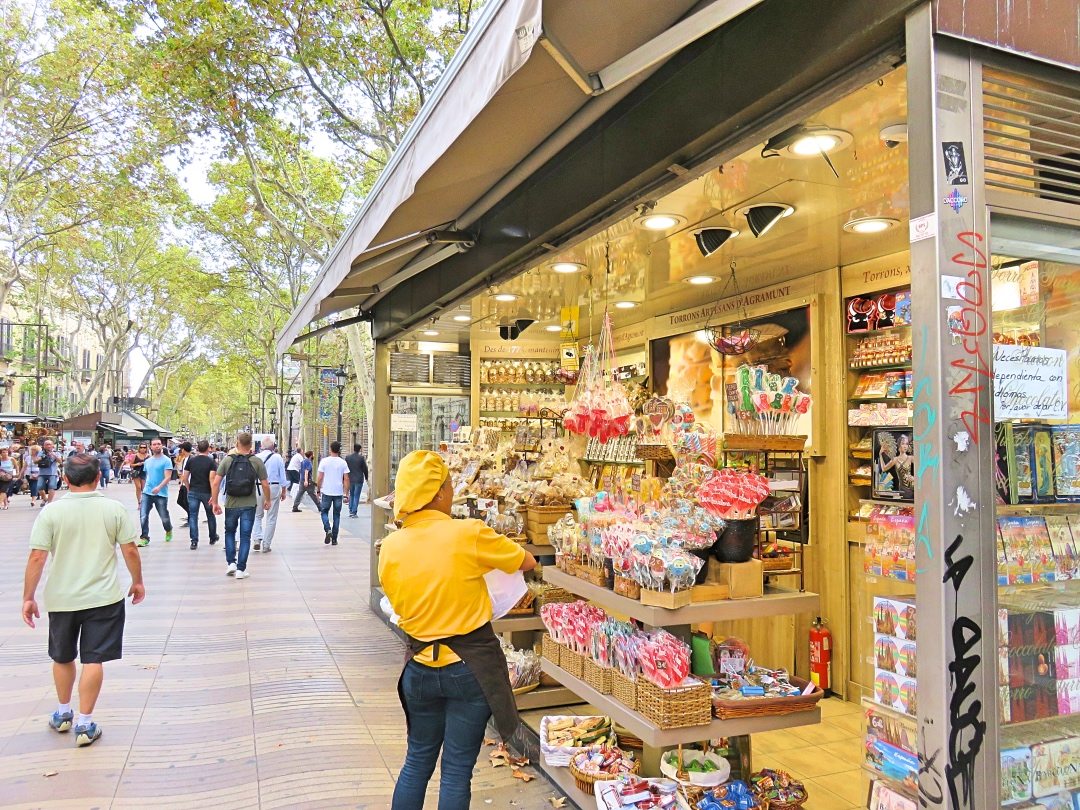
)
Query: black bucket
[
  {"x": 735, "y": 544},
  {"x": 702, "y": 554}
]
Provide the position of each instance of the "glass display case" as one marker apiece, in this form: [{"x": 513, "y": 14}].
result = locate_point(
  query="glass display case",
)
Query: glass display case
[{"x": 1035, "y": 302}]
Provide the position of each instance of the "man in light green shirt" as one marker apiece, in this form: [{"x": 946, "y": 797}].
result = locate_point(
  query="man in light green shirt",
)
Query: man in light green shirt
[{"x": 83, "y": 594}]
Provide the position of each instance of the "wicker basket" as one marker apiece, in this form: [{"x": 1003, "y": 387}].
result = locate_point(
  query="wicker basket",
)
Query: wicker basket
[
  {"x": 553, "y": 593},
  {"x": 683, "y": 706},
  {"x": 572, "y": 662},
  {"x": 624, "y": 586},
  {"x": 783, "y": 563},
  {"x": 585, "y": 781},
  {"x": 653, "y": 452},
  {"x": 768, "y": 707},
  {"x": 623, "y": 689},
  {"x": 597, "y": 576},
  {"x": 596, "y": 676},
  {"x": 551, "y": 649},
  {"x": 775, "y": 804}
]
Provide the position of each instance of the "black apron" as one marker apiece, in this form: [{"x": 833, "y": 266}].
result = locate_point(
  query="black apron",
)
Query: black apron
[{"x": 483, "y": 655}]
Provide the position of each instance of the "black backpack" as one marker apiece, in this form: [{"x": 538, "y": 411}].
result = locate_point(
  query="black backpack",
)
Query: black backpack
[{"x": 240, "y": 477}]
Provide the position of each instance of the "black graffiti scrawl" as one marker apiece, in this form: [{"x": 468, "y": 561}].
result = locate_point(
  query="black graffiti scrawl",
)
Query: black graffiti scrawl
[{"x": 967, "y": 727}]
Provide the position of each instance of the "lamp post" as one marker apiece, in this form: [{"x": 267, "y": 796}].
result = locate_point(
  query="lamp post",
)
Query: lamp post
[
  {"x": 342, "y": 381},
  {"x": 292, "y": 413},
  {"x": 273, "y": 422}
]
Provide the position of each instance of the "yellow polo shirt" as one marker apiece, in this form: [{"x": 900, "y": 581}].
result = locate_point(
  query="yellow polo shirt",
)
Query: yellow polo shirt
[{"x": 432, "y": 571}]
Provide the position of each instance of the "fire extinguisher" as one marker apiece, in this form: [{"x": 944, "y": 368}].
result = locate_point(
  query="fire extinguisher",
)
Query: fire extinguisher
[{"x": 821, "y": 655}]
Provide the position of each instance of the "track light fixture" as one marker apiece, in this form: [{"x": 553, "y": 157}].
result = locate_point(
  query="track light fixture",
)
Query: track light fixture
[
  {"x": 710, "y": 240},
  {"x": 763, "y": 216}
]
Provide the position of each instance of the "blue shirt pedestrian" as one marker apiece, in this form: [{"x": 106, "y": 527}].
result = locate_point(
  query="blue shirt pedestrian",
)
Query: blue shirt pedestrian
[{"x": 155, "y": 467}]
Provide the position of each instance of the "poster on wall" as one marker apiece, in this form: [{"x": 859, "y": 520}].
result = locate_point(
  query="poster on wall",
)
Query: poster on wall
[
  {"x": 685, "y": 367},
  {"x": 894, "y": 465}
]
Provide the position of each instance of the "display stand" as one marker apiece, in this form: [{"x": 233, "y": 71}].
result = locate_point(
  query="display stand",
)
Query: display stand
[{"x": 655, "y": 739}]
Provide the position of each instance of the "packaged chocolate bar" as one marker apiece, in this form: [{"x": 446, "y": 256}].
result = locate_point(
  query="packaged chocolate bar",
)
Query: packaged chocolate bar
[
  {"x": 1067, "y": 661},
  {"x": 1068, "y": 697},
  {"x": 1067, "y": 625},
  {"x": 1029, "y": 629},
  {"x": 1055, "y": 766},
  {"x": 1032, "y": 703}
]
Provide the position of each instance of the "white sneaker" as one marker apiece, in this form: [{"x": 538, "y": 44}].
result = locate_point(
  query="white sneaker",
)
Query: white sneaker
[
  {"x": 242, "y": 575},
  {"x": 231, "y": 570}
]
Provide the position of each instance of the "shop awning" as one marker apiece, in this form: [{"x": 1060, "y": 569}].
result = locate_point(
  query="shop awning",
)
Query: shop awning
[
  {"x": 530, "y": 76},
  {"x": 18, "y": 418},
  {"x": 118, "y": 430}
]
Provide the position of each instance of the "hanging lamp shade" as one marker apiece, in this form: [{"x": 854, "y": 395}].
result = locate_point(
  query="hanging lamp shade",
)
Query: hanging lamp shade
[
  {"x": 710, "y": 240},
  {"x": 761, "y": 218}
]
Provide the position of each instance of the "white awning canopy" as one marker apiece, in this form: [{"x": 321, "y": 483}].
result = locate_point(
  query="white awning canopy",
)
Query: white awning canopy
[
  {"x": 529, "y": 77},
  {"x": 17, "y": 418}
]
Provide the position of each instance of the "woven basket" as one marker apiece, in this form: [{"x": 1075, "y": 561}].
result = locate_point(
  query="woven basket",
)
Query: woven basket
[
  {"x": 572, "y": 662},
  {"x": 782, "y": 563},
  {"x": 653, "y": 452},
  {"x": 627, "y": 587},
  {"x": 791, "y": 804},
  {"x": 596, "y": 676},
  {"x": 553, "y": 593},
  {"x": 585, "y": 781},
  {"x": 768, "y": 707},
  {"x": 683, "y": 706},
  {"x": 551, "y": 649},
  {"x": 597, "y": 576},
  {"x": 623, "y": 689}
]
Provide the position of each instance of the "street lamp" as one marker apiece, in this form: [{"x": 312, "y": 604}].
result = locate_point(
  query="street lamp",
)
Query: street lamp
[
  {"x": 342, "y": 381},
  {"x": 273, "y": 413},
  {"x": 292, "y": 413}
]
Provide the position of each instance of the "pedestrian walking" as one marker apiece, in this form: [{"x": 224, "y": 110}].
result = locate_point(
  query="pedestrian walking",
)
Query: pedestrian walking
[
  {"x": 307, "y": 484},
  {"x": 331, "y": 485},
  {"x": 31, "y": 471},
  {"x": 8, "y": 476},
  {"x": 138, "y": 471},
  {"x": 196, "y": 477},
  {"x": 48, "y": 462},
  {"x": 448, "y": 689},
  {"x": 83, "y": 595},
  {"x": 293, "y": 470},
  {"x": 266, "y": 519},
  {"x": 105, "y": 459},
  {"x": 358, "y": 474},
  {"x": 179, "y": 463},
  {"x": 244, "y": 474},
  {"x": 158, "y": 471}
]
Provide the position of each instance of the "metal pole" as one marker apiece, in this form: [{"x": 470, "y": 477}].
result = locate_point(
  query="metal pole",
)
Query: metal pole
[
  {"x": 953, "y": 427},
  {"x": 340, "y": 406}
]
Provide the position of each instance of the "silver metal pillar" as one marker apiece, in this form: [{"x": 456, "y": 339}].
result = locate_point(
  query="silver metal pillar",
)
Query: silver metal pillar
[{"x": 953, "y": 426}]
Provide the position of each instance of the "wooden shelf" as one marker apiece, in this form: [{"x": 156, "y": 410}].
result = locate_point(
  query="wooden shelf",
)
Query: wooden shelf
[
  {"x": 516, "y": 624},
  {"x": 634, "y": 463},
  {"x": 880, "y": 399},
  {"x": 650, "y": 735},
  {"x": 546, "y": 697},
  {"x": 775, "y": 602},
  {"x": 883, "y": 330},
  {"x": 522, "y": 385},
  {"x": 905, "y": 366},
  {"x": 564, "y": 782},
  {"x": 1037, "y": 509}
]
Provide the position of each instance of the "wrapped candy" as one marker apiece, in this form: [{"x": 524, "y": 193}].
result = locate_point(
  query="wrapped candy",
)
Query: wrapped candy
[
  {"x": 600, "y": 408},
  {"x": 664, "y": 659}
]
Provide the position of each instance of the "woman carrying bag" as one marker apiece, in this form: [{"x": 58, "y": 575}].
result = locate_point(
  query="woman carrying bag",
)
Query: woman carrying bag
[{"x": 455, "y": 676}]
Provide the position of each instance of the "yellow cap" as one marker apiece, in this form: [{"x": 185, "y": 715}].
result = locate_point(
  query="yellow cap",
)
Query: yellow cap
[{"x": 420, "y": 475}]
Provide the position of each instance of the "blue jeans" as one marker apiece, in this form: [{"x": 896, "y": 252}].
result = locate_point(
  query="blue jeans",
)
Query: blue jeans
[
  {"x": 106, "y": 474},
  {"x": 195, "y": 501},
  {"x": 244, "y": 517},
  {"x": 329, "y": 501},
  {"x": 354, "y": 496},
  {"x": 161, "y": 504},
  {"x": 447, "y": 710}
]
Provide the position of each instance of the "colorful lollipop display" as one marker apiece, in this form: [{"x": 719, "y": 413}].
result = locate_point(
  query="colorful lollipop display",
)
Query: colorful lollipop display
[
  {"x": 761, "y": 403},
  {"x": 734, "y": 494},
  {"x": 600, "y": 408}
]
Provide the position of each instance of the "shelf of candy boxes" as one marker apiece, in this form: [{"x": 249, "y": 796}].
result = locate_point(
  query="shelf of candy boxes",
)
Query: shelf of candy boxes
[
  {"x": 766, "y": 789},
  {"x": 522, "y": 402},
  {"x": 519, "y": 372},
  {"x": 649, "y": 672}
]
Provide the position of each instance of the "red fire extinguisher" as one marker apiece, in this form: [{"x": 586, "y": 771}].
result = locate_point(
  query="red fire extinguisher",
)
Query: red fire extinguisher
[{"x": 821, "y": 654}]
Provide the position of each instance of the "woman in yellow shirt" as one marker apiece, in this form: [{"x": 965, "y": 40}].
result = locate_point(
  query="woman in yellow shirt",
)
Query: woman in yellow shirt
[{"x": 455, "y": 676}]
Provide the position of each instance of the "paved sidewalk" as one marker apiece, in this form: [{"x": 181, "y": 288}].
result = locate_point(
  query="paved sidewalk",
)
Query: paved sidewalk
[{"x": 273, "y": 692}]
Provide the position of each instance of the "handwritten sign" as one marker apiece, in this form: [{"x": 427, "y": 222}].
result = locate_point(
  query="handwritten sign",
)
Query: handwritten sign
[
  {"x": 403, "y": 422},
  {"x": 1030, "y": 383}
]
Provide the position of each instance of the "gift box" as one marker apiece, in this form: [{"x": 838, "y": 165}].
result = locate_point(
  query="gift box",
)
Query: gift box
[
  {"x": 1068, "y": 697},
  {"x": 1032, "y": 703},
  {"x": 1015, "y": 775},
  {"x": 1031, "y": 629},
  {"x": 1067, "y": 661},
  {"x": 1055, "y": 766}
]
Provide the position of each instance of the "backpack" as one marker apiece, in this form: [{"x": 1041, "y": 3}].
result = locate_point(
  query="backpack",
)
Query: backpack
[{"x": 240, "y": 477}]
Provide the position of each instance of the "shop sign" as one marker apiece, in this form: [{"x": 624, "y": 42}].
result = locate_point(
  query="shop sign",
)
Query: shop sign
[
  {"x": 629, "y": 337},
  {"x": 883, "y": 273},
  {"x": 723, "y": 311},
  {"x": 533, "y": 349},
  {"x": 1030, "y": 383},
  {"x": 403, "y": 423}
]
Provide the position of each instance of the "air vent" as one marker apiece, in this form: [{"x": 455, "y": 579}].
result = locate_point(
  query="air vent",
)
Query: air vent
[
  {"x": 1031, "y": 129},
  {"x": 410, "y": 368},
  {"x": 452, "y": 369}
]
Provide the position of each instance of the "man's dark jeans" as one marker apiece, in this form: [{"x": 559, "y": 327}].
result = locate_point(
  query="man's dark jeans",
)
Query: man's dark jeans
[
  {"x": 328, "y": 502},
  {"x": 354, "y": 496},
  {"x": 196, "y": 501},
  {"x": 448, "y": 711},
  {"x": 158, "y": 503},
  {"x": 244, "y": 518}
]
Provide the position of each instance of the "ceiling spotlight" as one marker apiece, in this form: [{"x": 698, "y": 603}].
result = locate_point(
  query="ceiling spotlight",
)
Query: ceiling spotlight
[
  {"x": 553, "y": 328},
  {"x": 894, "y": 135},
  {"x": 430, "y": 333},
  {"x": 653, "y": 221},
  {"x": 504, "y": 298},
  {"x": 700, "y": 280},
  {"x": 869, "y": 224},
  {"x": 462, "y": 318},
  {"x": 803, "y": 141},
  {"x": 566, "y": 268},
  {"x": 710, "y": 240},
  {"x": 625, "y": 304},
  {"x": 763, "y": 216}
]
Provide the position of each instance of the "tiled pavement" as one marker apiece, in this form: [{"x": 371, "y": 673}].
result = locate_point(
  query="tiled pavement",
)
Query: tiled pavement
[{"x": 273, "y": 692}]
